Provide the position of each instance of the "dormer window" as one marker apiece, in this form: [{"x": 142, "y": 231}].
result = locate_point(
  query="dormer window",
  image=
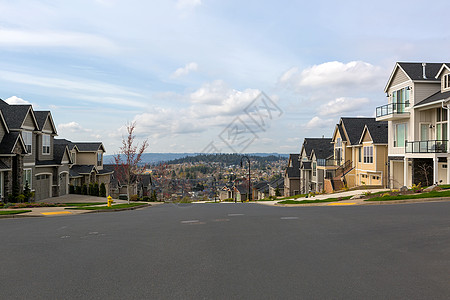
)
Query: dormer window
[
  {"x": 28, "y": 140},
  {"x": 99, "y": 158},
  {"x": 46, "y": 144},
  {"x": 446, "y": 81}
]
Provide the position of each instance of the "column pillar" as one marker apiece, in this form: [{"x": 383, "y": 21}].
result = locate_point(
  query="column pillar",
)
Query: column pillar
[
  {"x": 405, "y": 172},
  {"x": 435, "y": 170}
]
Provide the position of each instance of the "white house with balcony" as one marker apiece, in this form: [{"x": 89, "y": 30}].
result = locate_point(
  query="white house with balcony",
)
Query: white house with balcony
[{"x": 418, "y": 113}]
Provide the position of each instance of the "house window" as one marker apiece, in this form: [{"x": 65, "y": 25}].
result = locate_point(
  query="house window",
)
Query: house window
[
  {"x": 314, "y": 164},
  {"x": 28, "y": 140},
  {"x": 368, "y": 155},
  {"x": 359, "y": 155},
  {"x": 73, "y": 157},
  {"x": 441, "y": 124},
  {"x": 401, "y": 99},
  {"x": 99, "y": 158},
  {"x": 400, "y": 135},
  {"x": 27, "y": 177},
  {"x": 446, "y": 81},
  {"x": 46, "y": 144},
  {"x": 338, "y": 150}
]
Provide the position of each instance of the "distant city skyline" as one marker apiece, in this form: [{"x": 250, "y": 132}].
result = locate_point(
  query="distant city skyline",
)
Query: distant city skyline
[{"x": 185, "y": 70}]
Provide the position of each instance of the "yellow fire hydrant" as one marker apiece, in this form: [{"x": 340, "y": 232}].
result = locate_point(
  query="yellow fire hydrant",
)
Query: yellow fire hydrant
[{"x": 110, "y": 200}]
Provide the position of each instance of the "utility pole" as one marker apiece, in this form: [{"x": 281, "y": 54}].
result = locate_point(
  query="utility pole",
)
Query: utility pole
[{"x": 249, "y": 182}]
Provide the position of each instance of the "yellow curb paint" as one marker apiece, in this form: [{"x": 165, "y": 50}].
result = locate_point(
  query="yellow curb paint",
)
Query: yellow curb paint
[
  {"x": 57, "y": 213},
  {"x": 342, "y": 204}
]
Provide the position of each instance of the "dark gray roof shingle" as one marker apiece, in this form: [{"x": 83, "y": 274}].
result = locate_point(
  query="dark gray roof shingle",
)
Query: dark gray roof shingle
[
  {"x": 8, "y": 142},
  {"x": 14, "y": 114},
  {"x": 293, "y": 171},
  {"x": 415, "y": 72},
  {"x": 317, "y": 144},
  {"x": 355, "y": 126},
  {"x": 434, "y": 98},
  {"x": 41, "y": 117},
  {"x": 378, "y": 132}
]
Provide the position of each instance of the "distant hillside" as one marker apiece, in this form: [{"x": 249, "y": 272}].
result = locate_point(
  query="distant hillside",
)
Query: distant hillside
[
  {"x": 155, "y": 158},
  {"x": 228, "y": 159}
]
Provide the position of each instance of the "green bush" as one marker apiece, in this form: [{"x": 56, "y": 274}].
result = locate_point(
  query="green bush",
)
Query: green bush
[
  {"x": 123, "y": 197},
  {"x": 91, "y": 189},
  {"x": 146, "y": 198},
  {"x": 84, "y": 190},
  {"x": 102, "y": 192},
  {"x": 78, "y": 190},
  {"x": 134, "y": 198},
  {"x": 71, "y": 189},
  {"x": 96, "y": 190},
  {"x": 20, "y": 198}
]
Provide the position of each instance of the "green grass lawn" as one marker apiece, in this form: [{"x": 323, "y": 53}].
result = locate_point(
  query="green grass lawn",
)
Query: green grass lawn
[
  {"x": 13, "y": 212},
  {"x": 293, "y": 197},
  {"x": 117, "y": 206},
  {"x": 434, "y": 194},
  {"x": 82, "y": 204},
  {"x": 314, "y": 201}
]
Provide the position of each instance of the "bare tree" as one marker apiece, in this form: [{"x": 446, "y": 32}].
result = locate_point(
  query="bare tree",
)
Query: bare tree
[
  {"x": 425, "y": 169},
  {"x": 127, "y": 161}
]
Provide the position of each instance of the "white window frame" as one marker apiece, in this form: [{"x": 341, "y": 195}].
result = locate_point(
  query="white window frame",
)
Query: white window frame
[
  {"x": 395, "y": 135},
  {"x": 314, "y": 169},
  {"x": 446, "y": 81},
  {"x": 99, "y": 162},
  {"x": 368, "y": 154},
  {"x": 27, "y": 137},
  {"x": 46, "y": 143}
]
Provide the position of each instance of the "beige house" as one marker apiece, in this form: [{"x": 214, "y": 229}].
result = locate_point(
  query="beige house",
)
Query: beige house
[
  {"x": 418, "y": 96},
  {"x": 87, "y": 158},
  {"x": 372, "y": 153},
  {"x": 347, "y": 138}
]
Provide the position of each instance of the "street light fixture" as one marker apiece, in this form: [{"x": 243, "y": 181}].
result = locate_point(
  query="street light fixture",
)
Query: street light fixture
[{"x": 248, "y": 159}]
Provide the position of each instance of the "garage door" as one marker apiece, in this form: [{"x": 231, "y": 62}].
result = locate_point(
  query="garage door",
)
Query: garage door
[
  {"x": 62, "y": 184},
  {"x": 42, "y": 189}
]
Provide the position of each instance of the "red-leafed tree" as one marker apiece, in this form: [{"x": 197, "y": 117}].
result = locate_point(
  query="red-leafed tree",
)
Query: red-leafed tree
[{"x": 127, "y": 161}]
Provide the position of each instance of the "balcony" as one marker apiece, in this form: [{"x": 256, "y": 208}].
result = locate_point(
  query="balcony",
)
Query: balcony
[
  {"x": 327, "y": 162},
  {"x": 392, "y": 111},
  {"x": 430, "y": 146}
]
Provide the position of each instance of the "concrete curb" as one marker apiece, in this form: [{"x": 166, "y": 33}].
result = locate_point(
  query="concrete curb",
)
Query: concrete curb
[
  {"x": 436, "y": 199},
  {"x": 116, "y": 209}
]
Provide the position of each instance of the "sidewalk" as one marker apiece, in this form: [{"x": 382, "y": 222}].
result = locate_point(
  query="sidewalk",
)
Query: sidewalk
[
  {"x": 62, "y": 211},
  {"x": 326, "y": 196}
]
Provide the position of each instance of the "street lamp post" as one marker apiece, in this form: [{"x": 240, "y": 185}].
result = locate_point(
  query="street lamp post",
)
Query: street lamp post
[{"x": 248, "y": 159}]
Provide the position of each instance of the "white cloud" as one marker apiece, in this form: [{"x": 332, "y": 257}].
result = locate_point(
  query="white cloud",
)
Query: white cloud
[
  {"x": 183, "y": 4},
  {"x": 342, "y": 105},
  {"x": 185, "y": 70},
  {"x": 51, "y": 39},
  {"x": 16, "y": 100},
  {"x": 317, "y": 122},
  {"x": 212, "y": 106},
  {"x": 72, "y": 127}
]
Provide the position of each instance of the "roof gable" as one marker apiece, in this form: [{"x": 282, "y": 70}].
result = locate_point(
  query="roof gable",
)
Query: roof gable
[
  {"x": 10, "y": 141},
  {"x": 353, "y": 127},
  {"x": 414, "y": 71},
  {"x": 45, "y": 121},
  {"x": 445, "y": 66}
]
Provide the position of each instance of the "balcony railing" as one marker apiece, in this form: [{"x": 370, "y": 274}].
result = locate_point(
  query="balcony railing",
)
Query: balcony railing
[
  {"x": 431, "y": 146},
  {"x": 327, "y": 162},
  {"x": 392, "y": 108}
]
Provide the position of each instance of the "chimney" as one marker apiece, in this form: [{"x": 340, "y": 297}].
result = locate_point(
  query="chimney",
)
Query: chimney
[{"x": 424, "y": 76}]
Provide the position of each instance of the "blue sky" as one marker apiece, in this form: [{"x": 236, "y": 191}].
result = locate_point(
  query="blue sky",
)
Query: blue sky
[{"x": 184, "y": 70}]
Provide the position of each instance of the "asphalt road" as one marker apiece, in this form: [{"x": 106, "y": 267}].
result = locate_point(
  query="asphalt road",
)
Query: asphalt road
[{"x": 231, "y": 251}]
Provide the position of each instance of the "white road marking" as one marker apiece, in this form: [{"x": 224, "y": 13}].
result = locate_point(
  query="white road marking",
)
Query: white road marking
[
  {"x": 189, "y": 221},
  {"x": 235, "y": 215},
  {"x": 289, "y": 218},
  {"x": 65, "y": 236}
]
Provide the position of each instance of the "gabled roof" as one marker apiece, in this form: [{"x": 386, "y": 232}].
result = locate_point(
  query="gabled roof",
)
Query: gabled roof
[
  {"x": 414, "y": 71},
  {"x": 3, "y": 166},
  {"x": 82, "y": 146},
  {"x": 83, "y": 169},
  {"x": 435, "y": 98},
  {"x": 15, "y": 114},
  {"x": 338, "y": 128},
  {"x": 10, "y": 141},
  {"x": 310, "y": 144},
  {"x": 323, "y": 148},
  {"x": 42, "y": 117},
  {"x": 2, "y": 119},
  {"x": 378, "y": 132},
  {"x": 354, "y": 127},
  {"x": 444, "y": 66},
  {"x": 306, "y": 165},
  {"x": 293, "y": 171},
  {"x": 277, "y": 183},
  {"x": 58, "y": 153}
]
